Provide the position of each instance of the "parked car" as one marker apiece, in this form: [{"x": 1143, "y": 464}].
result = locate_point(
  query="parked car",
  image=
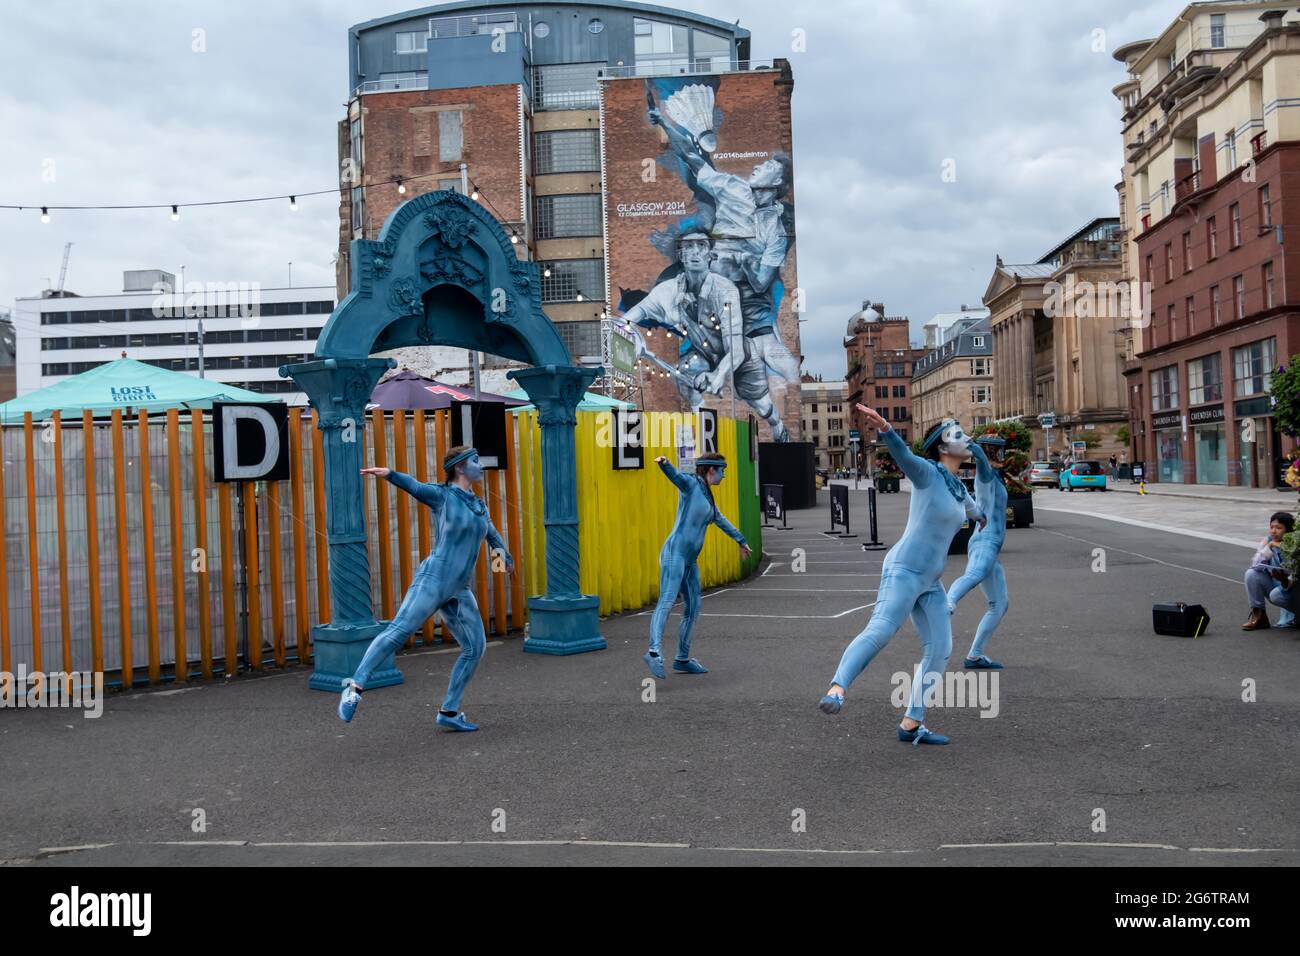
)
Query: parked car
[
  {"x": 1043, "y": 473},
  {"x": 1084, "y": 474}
]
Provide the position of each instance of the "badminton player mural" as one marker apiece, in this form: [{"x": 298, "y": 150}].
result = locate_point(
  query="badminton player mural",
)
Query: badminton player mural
[{"x": 720, "y": 297}]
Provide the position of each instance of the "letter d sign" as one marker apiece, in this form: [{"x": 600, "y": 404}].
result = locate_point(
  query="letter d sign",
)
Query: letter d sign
[{"x": 250, "y": 442}]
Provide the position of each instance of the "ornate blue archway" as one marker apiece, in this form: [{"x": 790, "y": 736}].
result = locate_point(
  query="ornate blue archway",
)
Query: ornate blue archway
[{"x": 442, "y": 272}]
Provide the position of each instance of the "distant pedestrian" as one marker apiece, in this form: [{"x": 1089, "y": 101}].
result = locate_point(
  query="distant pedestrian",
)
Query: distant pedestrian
[
  {"x": 1267, "y": 579},
  {"x": 1114, "y": 467}
]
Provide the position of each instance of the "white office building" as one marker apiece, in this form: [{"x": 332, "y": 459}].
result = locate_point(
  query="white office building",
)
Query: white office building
[{"x": 247, "y": 331}]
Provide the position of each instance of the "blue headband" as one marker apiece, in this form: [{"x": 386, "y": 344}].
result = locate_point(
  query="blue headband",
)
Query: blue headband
[
  {"x": 449, "y": 463},
  {"x": 936, "y": 433},
  {"x": 711, "y": 461}
]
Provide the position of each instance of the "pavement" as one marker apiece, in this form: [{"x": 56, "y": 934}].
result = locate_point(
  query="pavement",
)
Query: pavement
[{"x": 1100, "y": 723}]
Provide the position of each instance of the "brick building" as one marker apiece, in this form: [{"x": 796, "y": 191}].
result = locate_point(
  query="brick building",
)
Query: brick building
[
  {"x": 599, "y": 133},
  {"x": 880, "y": 360},
  {"x": 1212, "y": 141},
  {"x": 954, "y": 379}
]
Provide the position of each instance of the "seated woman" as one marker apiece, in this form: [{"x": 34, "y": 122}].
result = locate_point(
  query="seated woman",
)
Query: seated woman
[{"x": 1267, "y": 579}]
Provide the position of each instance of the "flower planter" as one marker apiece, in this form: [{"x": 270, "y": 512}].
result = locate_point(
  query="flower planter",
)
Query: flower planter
[{"x": 1020, "y": 510}]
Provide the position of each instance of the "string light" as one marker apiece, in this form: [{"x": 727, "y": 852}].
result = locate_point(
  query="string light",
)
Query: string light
[
  {"x": 401, "y": 186},
  {"x": 474, "y": 195},
  {"x": 176, "y": 214},
  {"x": 45, "y": 214},
  {"x": 293, "y": 203},
  {"x": 579, "y": 296},
  {"x": 546, "y": 273}
]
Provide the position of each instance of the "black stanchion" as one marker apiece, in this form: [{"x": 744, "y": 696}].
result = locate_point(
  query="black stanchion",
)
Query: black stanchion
[
  {"x": 874, "y": 544},
  {"x": 774, "y": 506},
  {"x": 839, "y": 512}
]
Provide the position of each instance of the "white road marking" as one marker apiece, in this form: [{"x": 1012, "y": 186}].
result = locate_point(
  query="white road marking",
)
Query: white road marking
[
  {"x": 1172, "y": 529},
  {"x": 825, "y": 617},
  {"x": 1146, "y": 557}
]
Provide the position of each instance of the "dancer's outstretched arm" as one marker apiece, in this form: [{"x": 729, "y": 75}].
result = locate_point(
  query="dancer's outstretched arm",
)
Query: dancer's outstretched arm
[
  {"x": 429, "y": 494},
  {"x": 497, "y": 543},
  {"x": 730, "y": 530},
  {"x": 919, "y": 471},
  {"x": 983, "y": 469},
  {"x": 676, "y": 477}
]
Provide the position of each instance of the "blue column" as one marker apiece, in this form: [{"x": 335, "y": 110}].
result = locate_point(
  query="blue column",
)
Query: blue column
[
  {"x": 563, "y": 620},
  {"x": 339, "y": 390}
]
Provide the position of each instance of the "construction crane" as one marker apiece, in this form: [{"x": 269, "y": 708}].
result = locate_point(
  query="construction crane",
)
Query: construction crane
[{"x": 63, "y": 272}]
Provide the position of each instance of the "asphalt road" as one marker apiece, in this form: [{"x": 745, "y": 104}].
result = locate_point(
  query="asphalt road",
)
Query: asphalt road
[{"x": 1095, "y": 713}]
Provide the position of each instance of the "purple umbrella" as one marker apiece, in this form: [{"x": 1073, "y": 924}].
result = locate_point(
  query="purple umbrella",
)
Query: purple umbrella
[{"x": 407, "y": 390}]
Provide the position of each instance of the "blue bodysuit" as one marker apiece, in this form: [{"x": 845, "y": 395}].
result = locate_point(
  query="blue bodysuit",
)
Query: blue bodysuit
[
  {"x": 910, "y": 575},
  {"x": 982, "y": 564},
  {"x": 678, "y": 572},
  {"x": 442, "y": 583}
]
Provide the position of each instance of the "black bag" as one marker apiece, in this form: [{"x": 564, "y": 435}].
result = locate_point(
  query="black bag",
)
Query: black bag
[{"x": 1180, "y": 620}]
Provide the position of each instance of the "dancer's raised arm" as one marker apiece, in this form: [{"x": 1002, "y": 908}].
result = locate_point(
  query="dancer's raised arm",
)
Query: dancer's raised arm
[
  {"x": 425, "y": 493},
  {"x": 919, "y": 471},
  {"x": 983, "y": 468},
  {"x": 676, "y": 477}
]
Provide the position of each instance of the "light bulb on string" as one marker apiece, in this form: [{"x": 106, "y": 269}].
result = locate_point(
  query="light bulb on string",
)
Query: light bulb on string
[
  {"x": 293, "y": 203},
  {"x": 579, "y": 296},
  {"x": 176, "y": 213},
  {"x": 474, "y": 194},
  {"x": 514, "y": 240},
  {"x": 45, "y": 214},
  {"x": 546, "y": 273},
  {"x": 401, "y": 187}
]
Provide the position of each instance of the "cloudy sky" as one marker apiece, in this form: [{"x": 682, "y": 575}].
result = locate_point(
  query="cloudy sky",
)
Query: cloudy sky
[{"x": 111, "y": 103}]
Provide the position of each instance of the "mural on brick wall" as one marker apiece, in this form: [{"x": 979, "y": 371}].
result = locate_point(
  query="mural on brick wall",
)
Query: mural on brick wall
[{"x": 718, "y": 295}]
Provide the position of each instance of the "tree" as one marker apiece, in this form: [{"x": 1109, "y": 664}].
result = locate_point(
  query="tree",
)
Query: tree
[{"x": 1284, "y": 389}]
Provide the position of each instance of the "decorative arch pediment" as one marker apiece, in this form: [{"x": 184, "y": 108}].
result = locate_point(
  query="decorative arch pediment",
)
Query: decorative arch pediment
[{"x": 442, "y": 272}]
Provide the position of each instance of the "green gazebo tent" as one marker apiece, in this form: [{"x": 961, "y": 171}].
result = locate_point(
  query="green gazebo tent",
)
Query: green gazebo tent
[{"x": 122, "y": 384}]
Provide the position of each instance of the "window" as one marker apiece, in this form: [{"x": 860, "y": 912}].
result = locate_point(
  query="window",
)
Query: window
[
  {"x": 1151, "y": 269},
  {"x": 582, "y": 338},
  {"x": 1204, "y": 380},
  {"x": 1172, "y": 317},
  {"x": 1267, "y": 275},
  {"x": 900, "y": 391},
  {"x": 1187, "y": 251},
  {"x": 451, "y": 135},
  {"x": 1164, "y": 388},
  {"x": 559, "y": 217},
  {"x": 712, "y": 53},
  {"x": 1252, "y": 367},
  {"x": 977, "y": 341},
  {"x": 1216, "y": 31},
  {"x": 1216, "y": 315},
  {"x": 981, "y": 394},
  {"x": 358, "y": 209},
  {"x": 1189, "y": 309},
  {"x": 1265, "y": 208},
  {"x": 567, "y": 151},
  {"x": 882, "y": 391},
  {"x": 1231, "y": 139},
  {"x": 417, "y": 42},
  {"x": 567, "y": 86},
  {"x": 1211, "y": 240},
  {"x": 1169, "y": 262},
  {"x": 660, "y": 47},
  {"x": 571, "y": 276},
  {"x": 980, "y": 366},
  {"x": 356, "y": 148},
  {"x": 815, "y": 423},
  {"x": 1238, "y": 298},
  {"x": 900, "y": 414},
  {"x": 814, "y": 408},
  {"x": 1234, "y": 221}
]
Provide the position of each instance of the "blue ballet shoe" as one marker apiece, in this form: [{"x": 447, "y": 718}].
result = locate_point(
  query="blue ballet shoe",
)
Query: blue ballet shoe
[
  {"x": 458, "y": 723},
  {"x": 831, "y": 704},
  {"x": 921, "y": 735},
  {"x": 656, "y": 664},
  {"x": 349, "y": 701},
  {"x": 691, "y": 666},
  {"x": 981, "y": 663}
]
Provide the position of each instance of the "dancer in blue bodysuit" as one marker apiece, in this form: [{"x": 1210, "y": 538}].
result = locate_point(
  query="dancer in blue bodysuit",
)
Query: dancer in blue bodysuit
[
  {"x": 678, "y": 572},
  {"x": 910, "y": 575},
  {"x": 442, "y": 582},
  {"x": 982, "y": 564}
]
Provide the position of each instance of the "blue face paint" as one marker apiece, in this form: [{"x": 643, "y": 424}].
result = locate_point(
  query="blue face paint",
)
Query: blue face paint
[
  {"x": 473, "y": 468},
  {"x": 722, "y": 473}
]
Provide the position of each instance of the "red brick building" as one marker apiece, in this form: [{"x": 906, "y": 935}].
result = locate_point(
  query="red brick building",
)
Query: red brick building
[
  {"x": 1225, "y": 312},
  {"x": 880, "y": 357}
]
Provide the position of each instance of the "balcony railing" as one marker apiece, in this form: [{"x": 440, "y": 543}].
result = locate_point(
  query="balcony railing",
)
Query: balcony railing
[
  {"x": 685, "y": 66},
  {"x": 1187, "y": 186},
  {"x": 420, "y": 82},
  {"x": 440, "y": 27}
]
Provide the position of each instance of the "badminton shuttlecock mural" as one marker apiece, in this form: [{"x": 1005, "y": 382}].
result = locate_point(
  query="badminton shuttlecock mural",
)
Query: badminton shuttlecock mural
[{"x": 691, "y": 108}]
